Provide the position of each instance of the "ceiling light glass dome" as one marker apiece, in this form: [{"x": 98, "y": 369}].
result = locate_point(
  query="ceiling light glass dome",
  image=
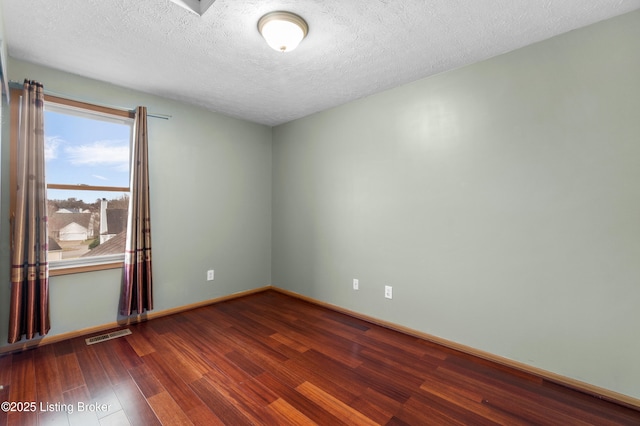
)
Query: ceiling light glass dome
[{"x": 283, "y": 31}]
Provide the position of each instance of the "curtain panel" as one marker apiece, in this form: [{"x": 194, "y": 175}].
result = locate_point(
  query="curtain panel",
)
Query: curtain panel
[
  {"x": 137, "y": 291},
  {"x": 29, "y": 304}
]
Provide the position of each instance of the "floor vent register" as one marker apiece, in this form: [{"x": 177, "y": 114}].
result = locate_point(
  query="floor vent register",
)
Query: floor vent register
[{"x": 104, "y": 337}]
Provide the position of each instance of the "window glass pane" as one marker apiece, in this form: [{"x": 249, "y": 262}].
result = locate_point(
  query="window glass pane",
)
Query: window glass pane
[
  {"x": 81, "y": 228},
  {"x": 88, "y": 151}
]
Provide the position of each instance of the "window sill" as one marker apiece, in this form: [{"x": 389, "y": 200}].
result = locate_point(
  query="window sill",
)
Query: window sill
[
  {"x": 76, "y": 266},
  {"x": 88, "y": 268}
]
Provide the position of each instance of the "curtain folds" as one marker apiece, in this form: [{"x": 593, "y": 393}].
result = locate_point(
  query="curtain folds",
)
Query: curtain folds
[
  {"x": 136, "y": 293},
  {"x": 29, "y": 304}
]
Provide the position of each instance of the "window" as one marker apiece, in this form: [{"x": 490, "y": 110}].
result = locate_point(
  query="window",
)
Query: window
[{"x": 87, "y": 152}]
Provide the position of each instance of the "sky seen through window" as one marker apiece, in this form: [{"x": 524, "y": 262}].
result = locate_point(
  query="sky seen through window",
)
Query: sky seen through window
[{"x": 81, "y": 150}]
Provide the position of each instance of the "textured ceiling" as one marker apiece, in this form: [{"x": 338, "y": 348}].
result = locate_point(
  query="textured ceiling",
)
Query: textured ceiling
[{"x": 219, "y": 60}]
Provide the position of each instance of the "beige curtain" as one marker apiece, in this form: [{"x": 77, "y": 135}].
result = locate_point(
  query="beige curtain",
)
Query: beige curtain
[
  {"x": 29, "y": 305},
  {"x": 136, "y": 293}
]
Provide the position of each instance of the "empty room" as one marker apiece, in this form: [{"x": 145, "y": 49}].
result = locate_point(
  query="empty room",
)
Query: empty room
[{"x": 319, "y": 212}]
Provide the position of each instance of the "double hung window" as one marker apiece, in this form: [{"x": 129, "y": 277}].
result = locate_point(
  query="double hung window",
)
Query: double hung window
[{"x": 87, "y": 160}]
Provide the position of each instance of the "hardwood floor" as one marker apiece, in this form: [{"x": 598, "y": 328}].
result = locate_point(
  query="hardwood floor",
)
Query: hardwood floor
[{"x": 271, "y": 359}]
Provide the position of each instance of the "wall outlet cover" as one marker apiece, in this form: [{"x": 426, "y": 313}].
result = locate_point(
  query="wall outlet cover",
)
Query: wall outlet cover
[{"x": 388, "y": 292}]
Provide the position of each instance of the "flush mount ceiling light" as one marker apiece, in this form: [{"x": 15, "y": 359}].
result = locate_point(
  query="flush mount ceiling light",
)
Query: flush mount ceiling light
[{"x": 283, "y": 31}]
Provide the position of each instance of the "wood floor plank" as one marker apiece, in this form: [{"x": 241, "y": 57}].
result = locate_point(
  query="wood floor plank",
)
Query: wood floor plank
[
  {"x": 128, "y": 357},
  {"x": 65, "y": 347},
  {"x": 379, "y": 381},
  {"x": 335, "y": 371},
  {"x": 434, "y": 350},
  {"x": 23, "y": 378},
  {"x": 163, "y": 324},
  {"x": 351, "y": 322},
  {"x": 4, "y": 396},
  {"x": 323, "y": 322},
  {"x": 93, "y": 372},
  {"x": 5, "y": 369},
  {"x": 268, "y": 358},
  {"x": 22, "y": 418},
  {"x": 245, "y": 322},
  {"x": 49, "y": 388},
  {"x": 336, "y": 347},
  {"x": 5, "y": 379},
  {"x": 200, "y": 337},
  {"x": 610, "y": 411},
  {"x": 383, "y": 341},
  {"x": 212, "y": 318},
  {"x": 203, "y": 416},
  {"x": 111, "y": 364},
  {"x": 223, "y": 408},
  {"x": 291, "y": 343},
  {"x": 392, "y": 360},
  {"x": 167, "y": 410},
  {"x": 58, "y": 418},
  {"x": 184, "y": 360},
  {"x": 333, "y": 405},
  {"x": 134, "y": 404},
  {"x": 96, "y": 380},
  {"x": 146, "y": 381},
  {"x": 223, "y": 366},
  {"x": 376, "y": 406},
  {"x": 249, "y": 397},
  {"x": 414, "y": 412},
  {"x": 139, "y": 344},
  {"x": 172, "y": 381},
  {"x": 255, "y": 345},
  {"x": 119, "y": 418},
  {"x": 246, "y": 365},
  {"x": 468, "y": 400},
  {"x": 207, "y": 338},
  {"x": 341, "y": 389},
  {"x": 516, "y": 401},
  {"x": 107, "y": 398},
  {"x": 284, "y": 374},
  {"x": 70, "y": 372},
  {"x": 48, "y": 378},
  {"x": 311, "y": 336},
  {"x": 288, "y": 415},
  {"x": 299, "y": 402},
  {"x": 77, "y": 401},
  {"x": 256, "y": 355}
]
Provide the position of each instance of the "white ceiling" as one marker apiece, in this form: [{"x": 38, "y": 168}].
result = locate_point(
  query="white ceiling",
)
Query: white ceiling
[{"x": 219, "y": 60}]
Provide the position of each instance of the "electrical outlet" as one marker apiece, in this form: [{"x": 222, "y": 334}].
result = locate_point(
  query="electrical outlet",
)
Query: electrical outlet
[
  {"x": 356, "y": 284},
  {"x": 210, "y": 275},
  {"x": 388, "y": 292}
]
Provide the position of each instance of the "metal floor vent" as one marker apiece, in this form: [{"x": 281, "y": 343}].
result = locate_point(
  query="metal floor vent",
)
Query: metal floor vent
[{"x": 108, "y": 336}]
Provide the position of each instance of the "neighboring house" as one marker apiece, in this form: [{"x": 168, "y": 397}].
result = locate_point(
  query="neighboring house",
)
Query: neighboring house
[
  {"x": 114, "y": 245},
  {"x": 113, "y": 230},
  {"x": 116, "y": 223},
  {"x": 71, "y": 226},
  {"x": 112, "y": 221},
  {"x": 73, "y": 210},
  {"x": 108, "y": 224},
  {"x": 73, "y": 232},
  {"x": 54, "y": 251}
]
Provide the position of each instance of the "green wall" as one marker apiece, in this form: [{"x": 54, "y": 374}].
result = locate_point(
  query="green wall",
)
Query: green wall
[
  {"x": 500, "y": 200},
  {"x": 210, "y": 198}
]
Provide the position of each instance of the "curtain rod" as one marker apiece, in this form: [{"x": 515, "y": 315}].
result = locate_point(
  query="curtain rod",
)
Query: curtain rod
[{"x": 16, "y": 85}]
